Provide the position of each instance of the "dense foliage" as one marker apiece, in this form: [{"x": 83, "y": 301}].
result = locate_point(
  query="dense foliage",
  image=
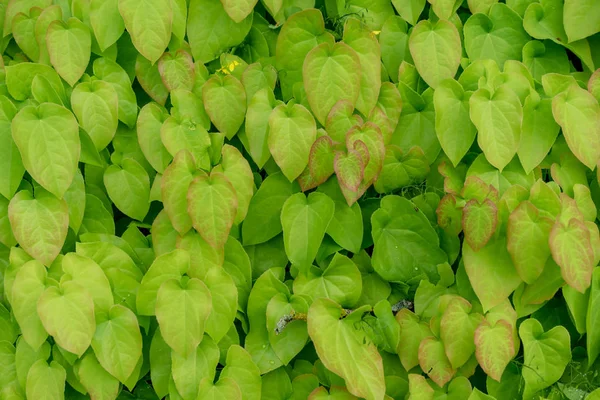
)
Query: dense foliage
[{"x": 299, "y": 199}]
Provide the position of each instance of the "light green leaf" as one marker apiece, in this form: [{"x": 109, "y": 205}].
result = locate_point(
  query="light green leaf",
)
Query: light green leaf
[
  {"x": 182, "y": 133},
  {"x": 225, "y": 102},
  {"x": 128, "y": 186},
  {"x": 433, "y": 359},
  {"x": 111, "y": 72},
  {"x": 46, "y": 381},
  {"x": 102, "y": 11},
  {"x": 148, "y": 76},
  {"x": 87, "y": 274},
  {"x": 240, "y": 367},
  {"x": 237, "y": 170},
  {"x": 331, "y": 73},
  {"x": 39, "y": 224},
  {"x": 581, "y": 18},
  {"x": 69, "y": 46},
  {"x": 117, "y": 342},
  {"x": 177, "y": 70},
  {"x": 67, "y": 313},
  {"x": 96, "y": 106},
  {"x": 189, "y": 371},
  {"x": 238, "y": 10},
  {"x": 149, "y": 124},
  {"x": 20, "y": 76},
  {"x": 181, "y": 311},
  {"x": 329, "y": 329},
  {"x": 479, "y": 222},
  {"x": 546, "y": 355},
  {"x": 494, "y": 347},
  {"x": 47, "y": 137},
  {"x": 305, "y": 220},
  {"x": 174, "y": 186},
  {"x": 211, "y": 30},
  {"x": 225, "y": 388},
  {"x": 224, "y": 302},
  {"x": 436, "y": 50},
  {"x": 149, "y": 24},
  {"x": 498, "y": 118},
  {"x": 260, "y": 106},
  {"x": 10, "y": 158},
  {"x": 292, "y": 133},
  {"x": 25, "y": 357},
  {"x": 457, "y": 330}
]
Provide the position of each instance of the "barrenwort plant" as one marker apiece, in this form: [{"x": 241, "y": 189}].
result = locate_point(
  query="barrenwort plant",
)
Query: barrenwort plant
[{"x": 299, "y": 199}]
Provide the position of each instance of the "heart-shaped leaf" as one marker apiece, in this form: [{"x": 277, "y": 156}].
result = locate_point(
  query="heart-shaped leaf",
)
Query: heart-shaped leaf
[
  {"x": 225, "y": 102},
  {"x": 69, "y": 46},
  {"x": 433, "y": 360},
  {"x": 479, "y": 222},
  {"x": 177, "y": 70},
  {"x": 494, "y": 347}
]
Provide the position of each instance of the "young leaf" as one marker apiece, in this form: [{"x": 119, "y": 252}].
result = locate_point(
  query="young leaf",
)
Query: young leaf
[
  {"x": 225, "y": 102},
  {"x": 128, "y": 186},
  {"x": 46, "y": 381},
  {"x": 174, "y": 186},
  {"x": 479, "y": 222},
  {"x": 494, "y": 347},
  {"x": 69, "y": 46}
]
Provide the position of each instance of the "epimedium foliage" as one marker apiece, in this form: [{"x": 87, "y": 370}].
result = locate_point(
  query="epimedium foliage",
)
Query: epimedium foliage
[{"x": 343, "y": 199}]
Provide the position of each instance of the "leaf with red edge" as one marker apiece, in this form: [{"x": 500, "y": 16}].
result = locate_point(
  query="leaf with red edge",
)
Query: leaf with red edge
[
  {"x": 479, "y": 222},
  {"x": 494, "y": 347},
  {"x": 349, "y": 168},
  {"x": 321, "y": 158},
  {"x": 571, "y": 248},
  {"x": 371, "y": 136},
  {"x": 412, "y": 332},
  {"x": 434, "y": 362},
  {"x": 341, "y": 119},
  {"x": 177, "y": 70},
  {"x": 457, "y": 327},
  {"x": 212, "y": 206},
  {"x": 449, "y": 214}
]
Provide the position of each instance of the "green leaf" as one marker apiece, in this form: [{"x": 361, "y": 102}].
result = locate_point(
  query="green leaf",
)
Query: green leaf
[
  {"x": 240, "y": 368},
  {"x": 491, "y": 272},
  {"x": 47, "y": 137},
  {"x": 494, "y": 347},
  {"x": 325, "y": 324},
  {"x": 406, "y": 246},
  {"x": 546, "y": 355},
  {"x": 67, "y": 313},
  {"x": 128, "y": 186},
  {"x": 287, "y": 338},
  {"x": 87, "y": 274},
  {"x": 23, "y": 32},
  {"x": 95, "y": 379},
  {"x": 106, "y": 33},
  {"x": 577, "y": 112},
  {"x": 260, "y": 106},
  {"x": 479, "y": 222},
  {"x": 212, "y": 206},
  {"x": 182, "y": 309},
  {"x": 96, "y": 106},
  {"x": 581, "y": 19},
  {"x": 238, "y": 10},
  {"x": 499, "y": 139},
  {"x": 224, "y": 303},
  {"x": 394, "y": 37},
  {"x": 364, "y": 43},
  {"x": 263, "y": 221},
  {"x": 111, "y": 72},
  {"x": 331, "y": 73},
  {"x": 117, "y": 342},
  {"x": 20, "y": 76},
  {"x": 457, "y": 330},
  {"x": 453, "y": 126},
  {"x": 433, "y": 359},
  {"x": 305, "y": 221},
  {"x": 436, "y": 50},
  {"x": 225, "y": 388},
  {"x": 189, "y": 371},
  {"x": 527, "y": 240},
  {"x": 28, "y": 285},
  {"x": 69, "y": 46},
  {"x": 181, "y": 133},
  {"x": 165, "y": 267},
  {"x": 572, "y": 250},
  {"x": 237, "y": 170},
  {"x": 149, "y": 24},
  {"x": 39, "y": 224},
  {"x": 292, "y": 131},
  {"x": 149, "y": 78},
  {"x": 149, "y": 124},
  {"x": 498, "y": 36},
  {"x": 409, "y": 10},
  {"x": 25, "y": 357},
  {"x": 177, "y": 70},
  {"x": 224, "y": 98},
  {"x": 10, "y": 158},
  {"x": 46, "y": 381},
  {"x": 211, "y": 30},
  {"x": 592, "y": 328},
  {"x": 174, "y": 186}
]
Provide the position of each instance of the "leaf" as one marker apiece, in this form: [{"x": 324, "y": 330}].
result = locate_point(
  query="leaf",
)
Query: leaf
[
  {"x": 491, "y": 272},
  {"x": 591, "y": 321},
  {"x": 292, "y": 131},
  {"x": 498, "y": 36},
  {"x": 260, "y": 106},
  {"x": 39, "y": 224},
  {"x": 87, "y": 274},
  {"x": 238, "y": 10},
  {"x": 47, "y": 137},
  {"x": 177, "y": 70},
  {"x": 69, "y": 46},
  {"x": 174, "y": 186},
  {"x": 577, "y": 112},
  {"x": 287, "y": 338},
  {"x": 240, "y": 367},
  {"x": 225, "y": 102},
  {"x": 571, "y": 249},
  {"x": 111, "y": 72},
  {"x": 237, "y": 170},
  {"x": 263, "y": 221},
  {"x": 581, "y": 19},
  {"x": 364, "y": 43},
  {"x": 494, "y": 347},
  {"x": 479, "y": 222},
  {"x": 304, "y": 221},
  {"x": 457, "y": 329},
  {"x": 331, "y": 73},
  {"x": 178, "y": 134},
  {"x": 364, "y": 379},
  {"x": 436, "y": 50},
  {"x": 498, "y": 140},
  {"x": 433, "y": 360},
  {"x": 67, "y": 313},
  {"x": 528, "y": 233},
  {"x": 182, "y": 309},
  {"x": 211, "y": 30},
  {"x": 165, "y": 267},
  {"x": 149, "y": 123},
  {"x": 99, "y": 383},
  {"x": 225, "y": 388},
  {"x": 96, "y": 107},
  {"x": 149, "y": 78},
  {"x": 149, "y": 24},
  {"x": 453, "y": 126},
  {"x": 212, "y": 206},
  {"x": 117, "y": 342},
  {"x": 224, "y": 303},
  {"x": 46, "y": 381},
  {"x": 412, "y": 332},
  {"x": 19, "y": 78},
  {"x": 128, "y": 186},
  {"x": 106, "y": 33},
  {"x": 340, "y": 282},
  {"x": 546, "y": 355}
]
